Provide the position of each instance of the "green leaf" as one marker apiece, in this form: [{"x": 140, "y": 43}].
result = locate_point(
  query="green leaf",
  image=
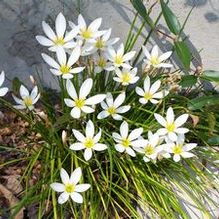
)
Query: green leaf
[
  {"x": 16, "y": 83},
  {"x": 183, "y": 53},
  {"x": 200, "y": 102},
  {"x": 140, "y": 8},
  {"x": 210, "y": 75},
  {"x": 188, "y": 80},
  {"x": 213, "y": 140},
  {"x": 170, "y": 18}
]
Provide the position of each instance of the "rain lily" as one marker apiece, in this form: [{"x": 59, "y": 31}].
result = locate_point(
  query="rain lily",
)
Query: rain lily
[
  {"x": 126, "y": 76},
  {"x": 171, "y": 126},
  {"x": 149, "y": 93},
  {"x": 89, "y": 142},
  {"x": 3, "y": 90},
  {"x": 70, "y": 187},
  {"x": 155, "y": 60},
  {"x": 103, "y": 42},
  {"x": 101, "y": 63},
  {"x": 152, "y": 147},
  {"x": 90, "y": 32},
  {"x": 27, "y": 100},
  {"x": 119, "y": 58},
  {"x": 179, "y": 148},
  {"x": 60, "y": 38},
  {"x": 81, "y": 102},
  {"x": 127, "y": 142},
  {"x": 113, "y": 108},
  {"x": 64, "y": 67}
]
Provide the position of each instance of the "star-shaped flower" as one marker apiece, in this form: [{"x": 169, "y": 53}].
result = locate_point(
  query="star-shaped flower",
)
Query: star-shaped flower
[
  {"x": 127, "y": 142},
  {"x": 80, "y": 103},
  {"x": 70, "y": 187},
  {"x": 60, "y": 38},
  {"x": 89, "y": 142},
  {"x": 3, "y": 90},
  {"x": 155, "y": 60},
  {"x": 149, "y": 93},
  {"x": 27, "y": 100},
  {"x": 113, "y": 108},
  {"x": 64, "y": 67},
  {"x": 171, "y": 126}
]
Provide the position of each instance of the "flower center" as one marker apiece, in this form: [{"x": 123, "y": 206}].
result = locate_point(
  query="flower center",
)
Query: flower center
[
  {"x": 125, "y": 142},
  {"x": 69, "y": 188},
  {"x": 154, "y": 61},
  {"x": 148, "y": 96},
  {"x": 86, "y": 33},
  {"x": 59, "y": 41},
  {"x": 79, "y": 103},
  {"x": 170, "y": 127},
  {"x": 177, "y": 149},
  {"x": 89, "y": 143},
  {"x": 102, "y": 62},
  {"x": 149, "y": 149},
  {"x": 100, "y": 43},
  {"x": 64, "y": 69},
  {"x": 111, "y": 110},
  {"x": 126, "y": 77},
  {"x": 28, "y": 101},
  {"x": 118, "y": 59}
]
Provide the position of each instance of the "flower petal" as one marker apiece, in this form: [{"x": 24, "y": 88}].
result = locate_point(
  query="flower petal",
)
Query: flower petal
[
  {"x": 24, "y": 92},
  {"x": 170, "y": 115},
  {"x": 103, "y": 114},
  {"x": 165, "y": 56},
  {"x": 71, "y": 90},
  {"x": 181, "y": 120},
  {"x": 75, "y": 176},
  {"x": 64, "y": 176},
  {"x": 124, "y": 128},
  {"x": 135, "y": 133},
  {"x": 82, "y": 187},
  {"x": 60, "y": 25},
  {"x": 61, "y": 55},
  {"x": 119, "y": 100},
  {"x": 44, "y": 41},
  {"x": 130, "y": 151},
  {"x": 58, "y": 187},
  {"x": 155, "y": 86},
  {"x": 76, "y": 197},
  {"x": 87, "y": 154},
  {"x": 3, "y": 91},
  {"x": 69, "y": 102},
  {"x": 95, "y": 99},
  {"x": 77, "y": 146},
  {"x": 87, "y": 109},
  {"x": 99, "y": 147},
  {"x": 50, "y": 61},
  {"x": 76, "y": 113},
  {"x": 76, "y": 52},
  {"x": 128, "y": 56},
  {"x": 78, "y": 135},
  {"x": 160, "y": 119},
  {"x": 147, "y": 84},
  {"x": 63, "y": 198},
  {"x": 89, "y": 129},
  {"x": 48, "y": 31},
  {"x": 119, "y": 148},
  {"x": 123, "y": 109},
  {"x": 85, "y": 88}
]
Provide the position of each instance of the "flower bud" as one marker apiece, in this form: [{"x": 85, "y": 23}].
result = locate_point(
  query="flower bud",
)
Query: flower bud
[{"x": 64, "y": 137}]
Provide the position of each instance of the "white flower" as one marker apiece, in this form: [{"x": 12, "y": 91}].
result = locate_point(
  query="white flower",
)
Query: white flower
[
  {"x": 64, "y": 67},
  {"x": 171, "y": 127},
  {"x": 152, "y": 147},
  {"x": 179, "y": 148},
  {"x": 81, "y": 102},
  {"x": 155, "y": 60},
  {"x": 126, "y": 76},
  {"x": 119, "y": 58},
  {"x": 101, "y": 63},
  {"x": 149, "y": 93},
  {"x": 113, "y": 108},
  {"x": 27, "y": 100},
  {"x": 102, "y": 43},
  {"x": 70, "y": 187},
  {"x": 60, "y": 38},
  {"x": 90, "y": 32},
  {"x": 128, "y": 142},
  {"x": 89, "y": 142},
  {"x": 3, "y": 90}
]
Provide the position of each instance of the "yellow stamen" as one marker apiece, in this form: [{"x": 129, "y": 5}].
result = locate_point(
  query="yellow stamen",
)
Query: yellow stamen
[
  {"x": 170, "y": 127},
  {"x": 64, "y": 69},
  {"x": 149, "y": 149},
  {"x": 89, "y": 143},
  {"x": 69, "y": 188},
  {"x": 118, "y": 59},
  {"x": 28, "y": 101},
  {"x": 111, "y": 110},
  {"x": 125, "y": 142},
  {"x": 86, "y": 34},
  {"x": 100, "y": 43},
  {"x": 148, "y": 96},
  {"x": 177, "y": 149},
  {"x": 102, "y": 62},
  {"x": 154, "y": 61},
  {"x": 79, "y": 103},
  {"x": 59, "y": 41},
  {"x": 126, "y": 77}
]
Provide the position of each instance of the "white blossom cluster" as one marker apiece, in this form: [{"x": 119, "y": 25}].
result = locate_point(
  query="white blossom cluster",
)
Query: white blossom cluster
[{"x": 70, "y": 43}]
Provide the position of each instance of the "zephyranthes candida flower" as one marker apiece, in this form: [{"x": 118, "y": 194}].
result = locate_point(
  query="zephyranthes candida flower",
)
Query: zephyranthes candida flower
[
  {"x": 80, "y": 102},
  {"x": 60, "y": 38},
  {"x": 172, "y": 126},
  {"x": 28, "y": 99},
  {"x": 89, "y": 142},
  {"x": 70, "y": 187}
]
